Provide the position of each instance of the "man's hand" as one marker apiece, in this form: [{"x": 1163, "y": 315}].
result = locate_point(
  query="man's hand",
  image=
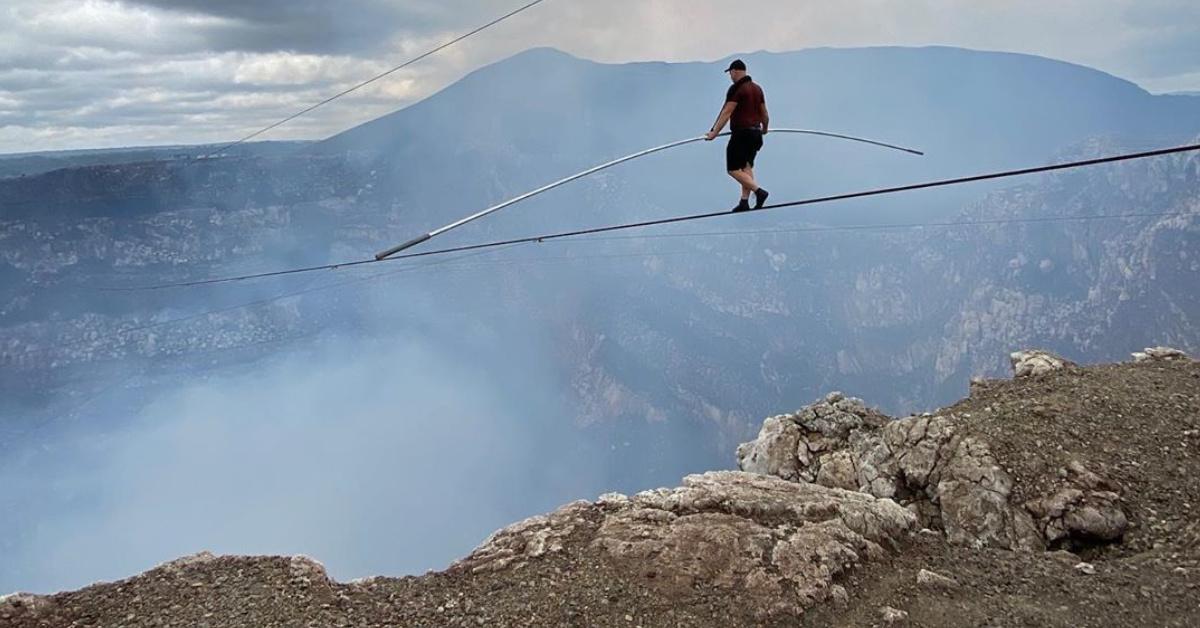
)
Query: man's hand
[
  {"x": 710, "y": 136},
  {"x": 764, "y": 130}
]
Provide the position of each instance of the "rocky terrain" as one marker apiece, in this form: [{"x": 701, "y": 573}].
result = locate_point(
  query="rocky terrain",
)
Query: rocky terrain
[{"x": 1057, "y": 498}]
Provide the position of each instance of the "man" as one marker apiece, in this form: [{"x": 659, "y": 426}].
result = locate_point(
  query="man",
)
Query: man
[{"x": 745, "y": 111}]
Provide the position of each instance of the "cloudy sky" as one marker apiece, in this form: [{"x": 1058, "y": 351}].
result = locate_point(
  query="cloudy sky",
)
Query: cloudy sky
[{"x": 101, "y": 73}]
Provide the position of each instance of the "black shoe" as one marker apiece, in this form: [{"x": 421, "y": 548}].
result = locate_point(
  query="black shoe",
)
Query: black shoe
[
  {"x": 743, "y": 206},
  {"x": 760, "y": 198}
]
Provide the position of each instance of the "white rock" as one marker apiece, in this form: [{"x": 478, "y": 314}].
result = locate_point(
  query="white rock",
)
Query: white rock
[
  {"x": 613, "y": 499},
  {"x": 27, "y": 600},
  {"x": 181, "y": 564},
  {"x": 308, "y": 569},
  {"x": 1159, "y": 353},
  {"x": 935, "y": 580},
  {"x": 893, "y": 616},
  {"x": 1036, "y": 362}
]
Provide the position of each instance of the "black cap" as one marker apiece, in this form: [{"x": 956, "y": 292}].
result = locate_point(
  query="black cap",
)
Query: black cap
[{"x": 736, "y": 65}]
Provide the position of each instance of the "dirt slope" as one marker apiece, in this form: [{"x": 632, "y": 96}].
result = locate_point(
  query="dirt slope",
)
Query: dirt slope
[{"x": 1136, "y": 424}]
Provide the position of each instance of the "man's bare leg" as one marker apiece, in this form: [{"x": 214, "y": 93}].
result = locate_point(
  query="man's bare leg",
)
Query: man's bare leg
[{"x": 745, "y": 176}]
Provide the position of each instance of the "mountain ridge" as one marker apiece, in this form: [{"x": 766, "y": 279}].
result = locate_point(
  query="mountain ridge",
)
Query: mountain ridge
[{"x": 550, "y": 55}]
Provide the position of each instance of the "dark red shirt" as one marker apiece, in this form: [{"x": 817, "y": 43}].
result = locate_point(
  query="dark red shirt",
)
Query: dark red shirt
[{"x": 750, "y": 99}]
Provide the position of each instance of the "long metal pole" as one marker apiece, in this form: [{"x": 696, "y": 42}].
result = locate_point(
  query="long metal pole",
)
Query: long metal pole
[{"x": 650, "y": 151}]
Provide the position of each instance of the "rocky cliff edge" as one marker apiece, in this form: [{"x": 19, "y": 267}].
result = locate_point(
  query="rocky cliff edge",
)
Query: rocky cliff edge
[{"x": 1061, "y": 497}]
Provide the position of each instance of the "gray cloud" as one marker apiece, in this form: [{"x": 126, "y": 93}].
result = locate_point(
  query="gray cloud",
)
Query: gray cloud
[
  {"x": 422, "y": 14},
  {"x": 1176, "y": 51},
  {"x": 317, "y": 26}
]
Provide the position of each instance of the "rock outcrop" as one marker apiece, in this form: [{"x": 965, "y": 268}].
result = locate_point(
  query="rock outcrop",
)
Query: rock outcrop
[
  {"x": 950, "y": 481},
  {"x": 940, "y": 471},
  {"x": 783, "y": 543},
  {"x": 1159, "y": 353}
]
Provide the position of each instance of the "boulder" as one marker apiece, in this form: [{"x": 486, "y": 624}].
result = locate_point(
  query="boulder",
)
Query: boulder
[
  {"x": 774, "y": 451},
  {"x": 889, "y": 616},
  {"x": 934, "y": 580},
  {"x": 1035, "y": 362}
]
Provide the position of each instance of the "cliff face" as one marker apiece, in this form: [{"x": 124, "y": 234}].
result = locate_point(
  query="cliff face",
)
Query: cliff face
[
  {"x": 1071, "y": 285},
  {"x": 846, "y": 517},
  {"x": 908, "y": 316},
  {"x": 905, "y": 316}
]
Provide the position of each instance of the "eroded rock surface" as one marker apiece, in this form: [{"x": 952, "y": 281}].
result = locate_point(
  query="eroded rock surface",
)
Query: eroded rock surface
[
  {"x": 781, "y": 542},
  {"x": 947, "y": 477}
]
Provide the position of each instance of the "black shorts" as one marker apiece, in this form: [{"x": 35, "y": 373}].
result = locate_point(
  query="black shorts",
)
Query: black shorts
[{"x": 743, "y": 147}]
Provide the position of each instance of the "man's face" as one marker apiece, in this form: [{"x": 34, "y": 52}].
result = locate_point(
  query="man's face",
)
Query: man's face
[{"x": 736, "y": 75}]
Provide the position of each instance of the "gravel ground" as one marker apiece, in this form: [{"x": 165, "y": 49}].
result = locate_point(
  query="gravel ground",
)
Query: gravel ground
[{"x": 1135, "y": 424}]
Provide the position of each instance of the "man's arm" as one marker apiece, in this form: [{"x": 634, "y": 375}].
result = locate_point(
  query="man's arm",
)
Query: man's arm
[
  {"x": 766, "y": 118},
  {"x": 722, "y": 120}
]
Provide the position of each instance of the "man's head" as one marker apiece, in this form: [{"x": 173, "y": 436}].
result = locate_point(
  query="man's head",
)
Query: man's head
[{"x": 737, "y": 70}]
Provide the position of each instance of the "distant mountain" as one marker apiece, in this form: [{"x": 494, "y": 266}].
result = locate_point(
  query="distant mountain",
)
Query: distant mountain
[{"x": 543, "y": 113}]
